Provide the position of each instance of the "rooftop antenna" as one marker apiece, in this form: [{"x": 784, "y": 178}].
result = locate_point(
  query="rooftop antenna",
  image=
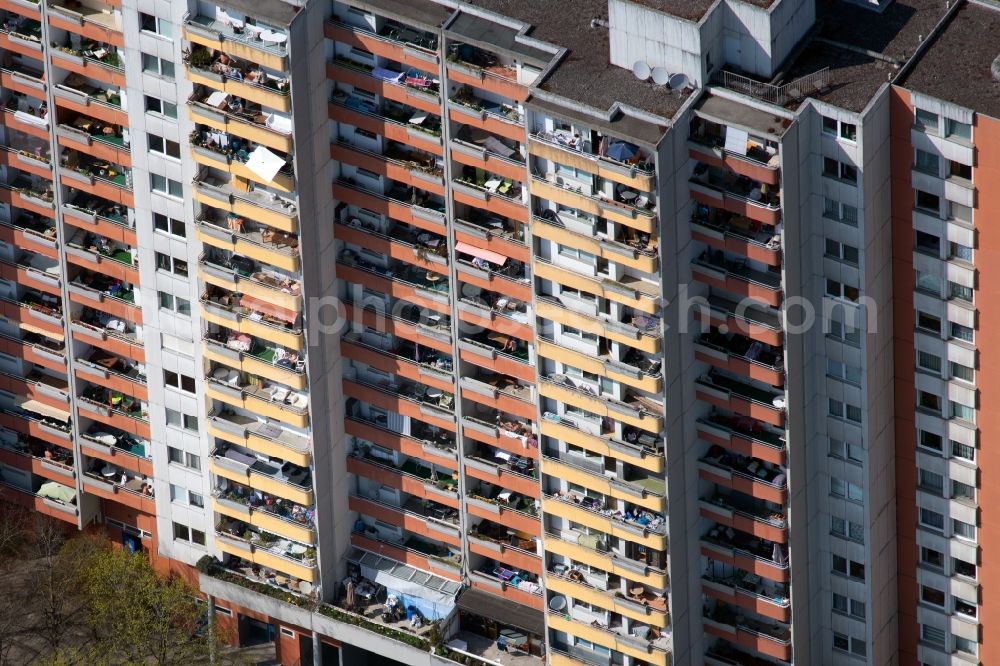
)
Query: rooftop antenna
[
  {"x": 660, "y": 76},
  {"x": 678, "y": 81},
  {"x": 641, "y": 70}
]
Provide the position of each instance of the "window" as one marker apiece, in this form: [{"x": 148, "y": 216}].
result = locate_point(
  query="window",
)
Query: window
[
  {"x": 150, "y": 23},
  {"x": 928, "y": 243},
  {"x": 840, "y": 642},
  {"x": 929, "y": 361},
  {"x": 196, "y": 499},
  {"x": 858, "y": 609},
  {"x": 181, "y": 532},
  {"x": 165, "y": 262},
  {"x": 932, "y": 595},
  {"x": 831, "y": 167},
  {"x": 960, "y": 292},
  {"x": 845, "y": 567},
  {"x": 157, "y": 144},
  {"x": 859, "y": 647},
  {"x": 842, "y": 170},
  {"x": 931, "y": 519},
  {"x": 846, "y": 450},
  {"x": 176, "y": 344},
  {"x": 963, "y": 568},
  {"x": 177, "y": 494},
  {"x": 931, "y": 482},
  {"x": 928, "y": 322},
  {"x": 848, "y": 172},
  {"x": 845, "y": 489},
  {"x": 959, "y": 251},
  {"x": 959, "y": 170},
  {"x": 927, "y": 162},
  {"x": 574, "y": 253},
  {"x": 160, "y": 106},
  {"x": 957, "y": 211},
  {"x": 932, "y": 635},
  {"x": 175, "y": 455},
  {"x": 842, "y": 251},
  {"x": 844, "y": 291},
  {"x": 927, "y": 201},
  {"x": 179, "y": 420},
  {"x": 931, "y": 557},
  {"x": 182, "y": 382},
  {"x": 857, "y": 570},
  {"x": 962, "y": 372},
  {"x": 159, "y": 66},
  {"x": 929, "y": 401},
  {"x": 164, "y": 185},
  {"x": 927, "y": 120},
  {"x": 963, "y": 530},
  {"x": 966, "y": 645},
  {"x": 963, "y": 451},
  {"x": 177, "y": 304},
  {"x": 932, "y": 441},
  {"x": 829, "y": 125},
  {"x": 197, "y": 537},
  {"x": 963, "y": 491},
  {"x": 928, "y": 283},
  {"x": 839, "y": 603},
  {"x": 843, "y": 371},
  {"x": 954, "y": 129},
  {"x": 846, "y": 333},
  {"x": 964, "y": 412},
  {"x": 847, "y": 529},
  {"x": 848, "y": 131},
  {"x": 169, "y": 225},
  {"x": 838, "y": 526},
  {"x": 960, "y": 332}
]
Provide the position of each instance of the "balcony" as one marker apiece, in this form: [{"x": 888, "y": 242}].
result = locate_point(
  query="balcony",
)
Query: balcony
[
  {"x": 107, "y": 257},
  {"x": 401, "y": 241},
  {"x": 256, "y": 357},
  {"x": 266, "y": 549},
  {"x": 496, "y": 466},
  {"x": 22, "y": 8},
  {"x": 251, "y": 317},
  {"x": 640, "y": 448},
  {"x": 111, "y": 483},
  {"x": 93, "y": 23},
  {"x": 638, "y": 293},
  {"x": 117, "y": 447},
  {"x": 107, "y": 218},
  {"x": 113, "y": 372},
  {"x": 110, "y": 296},
  {"x": 265, "y": 287},
  {"x": 412, "y": 87},
  {"x": 493, "y": 272},
  {"x": 744, "y": 551},
  {"x": 397, "y": 122},
  {"x": 23, "y": 75},
  {"x": 114, "y": 334},
  {"x": 750, "y": 592},
  {"x": 742, "y": 356},
  {"x": 271, "y": 400},
  {"x": 255, "y": 42},
  {"x": 582, "y": 547},
  {"x": 742, "y": 397},
  {"x": 747, "y": 514},
  {"x": 397, "y": 161},
  {"x": 243, "y": 159},
  {"x": 399, "y": 279},
  {"x": 738, "y": 277},
  {"x": 82, "y": 95},
  {"x": 736, "y": 234},
  {"x": 645, "y": 491},
  {"x": 502, "y": 315},
  {"x": 32, "y": 195},
  {"x": 750, "y": 319},
  {"x": 769, "y": 638},
  {"x": 412, "y": 47},
  {"x": 494, "y": 503},
  {"x": 21, "y": 35},
  {"x": 32, "y": 232},
  {"x": 634, "y": 410},
  {"x": 100, "y": 140},
  {"x": 265, "y": 438},
  {"x": 476, "y": 67},
  {"x": 719, "y": 188},
  {"x": 35, "y": 348},
  {"x": 98, "y": 177},
  {"x": 248, "y": 121},
  {"x": 260, "y": 205},
  {"x": 499, "y": 392},
  {"x": 96, "y": 60},
  {"x": 489, "y": 192},
  {"x": 41, "y": 458},
  {"x": 750, "y": 476},
  {"x": 47, "y": 497},
  {"x": 636, "y": 524},
  {"x": 636, "y": 369},
  {"x": 638, "y": 212},
  {"x": 611, "y": 158},
  {"x": 414, "y": 476},
  {"x": 653, "y": 648},
  {"x": 413, "y": 399},
  {"x": 405, "y": 359},
  {"x": 635, "y": 602},
  {"x": 422, "y": 516},
  {"x": 424, "y": 554},
  {"x": 238, "y": 77},
  {"x": 496, "y": 117},
  {"x": 282, "y": 479},
  {"x": 230, "y": 232},
  {"x": 507, "y": 581}
]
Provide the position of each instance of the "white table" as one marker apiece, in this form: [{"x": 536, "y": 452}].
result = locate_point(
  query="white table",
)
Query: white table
[
  {"x": 504, "y": 497},
  {"x": 217, "y": 99},
  {"x": 629, "y": 195},
  {"x": 493, "y": 184},
  {"x": 273, "y": 37}
]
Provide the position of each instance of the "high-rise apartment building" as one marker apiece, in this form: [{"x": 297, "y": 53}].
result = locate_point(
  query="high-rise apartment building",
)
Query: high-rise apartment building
[{"x": 633, "y": 332}]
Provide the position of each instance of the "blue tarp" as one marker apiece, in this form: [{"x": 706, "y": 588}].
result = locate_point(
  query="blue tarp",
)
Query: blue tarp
[{"x": 387, "y": 74}]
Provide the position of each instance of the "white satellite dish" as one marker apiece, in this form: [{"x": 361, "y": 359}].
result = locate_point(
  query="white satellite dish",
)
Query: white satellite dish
[
  {"x": 641, "y": 70},
  {"x": 660, "y": 76},
  {"x": 678, "y": 81}
]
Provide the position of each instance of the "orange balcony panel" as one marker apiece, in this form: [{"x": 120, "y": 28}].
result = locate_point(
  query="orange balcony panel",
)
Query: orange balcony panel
[
  {"x": 24, "y": 85},
  {"x": 385, "y": 167},
  {"x": 743, "y": 484},
  {"x": 407, "y": 292},
  {"x": 12, "y": 158},
  {"x": 735, "y": 285},
  {"x": 42, "y": 319},
  {"x": 736, "y": 164},
  {"x": 502, "y": 206},
  {"x": 37, "y": 354},
  {"x": 67, "y": 513},
  {"x": 30, "y": 240},
  {"x": 98, "y": 149},
  {"x": 38, "y": 430},
  {"x": 14, "y": 44},
  {"x": 742, "y": 522},
  {"x": 23, "y": 8},
  {"x": 396, "y": 404},
  {"x": 89, "y": 68},
  {"x": 506, "y": 517},
  {"x": 494, "y": 164},
  {"x": 499, "y": 85},
  {"x": 385, "y": 246},
  {"x": 88, "y": 29},
  {"x": 413, "y": 558},
  {"x": 112, "y": 306},
  {"x": 747, "y": 561},
  {"x": 31, "y": 204},
  {"x": 736, "y": 244},
  {"x": 409, "y": 521},
  {"x": 740, "y": 366},
  {"x": 118, "y": 345},
  {"x": 99, "y": 187},
  {"x": 105, "y": 266},
  {"x": 742, "y": 406},
  {"x": 143, "y": 503},
  {"x": 750, "y": 329},
  {"x": 29, "y": 278},
  {"x": 745, "y": 599},
  {"x": 117, "y": 420},
  {"x": 109, "y": 114},
  {"x": 109, "y": 230},
  {"x": 498, "y": 323},
  {"x": 394, "y": 479},
  {"x": 493, "y": 282},
  {"x": 490, "y": 123},
  {"x": 389, "y": 207},
  {"x": 11, "y": 121},
  {"x": 503, "y": 402},
  {"x": 389, "y": 129},
  {"x": 750, "y": 640},
  {"x": 393, "y": 364},
  {"x": 739, "y": 206},
  {"x": 381, "y": 46},
  {"x": 114, "y": 382},
  {"x": 428, "y": 102},
  {"x": 402, "y": 443},
  {"x": 499, "y": 244},
  {"x": 44, "y": 468},
  {"x": 491, "y": 360},
  {"x": 516, "y": 557},
  {"x": 522, "y": 485},
  {"x": 497, "y": 440},
  {"x": 400, "y": 327},
  {"x": 116, "y": 457},
  {"x": 510, "y": 593}
]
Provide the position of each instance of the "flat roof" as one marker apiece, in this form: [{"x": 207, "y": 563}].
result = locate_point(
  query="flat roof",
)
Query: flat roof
[
  {"x": 956, "y": 66},
  {"x": 621, "y": 125},
  {"x": 586, "y": 74},
  {"x": 737, "y": 114},
  {"x": 862, "y": 47},
  {"x": 278, "y": 12},
  {"x": 423, "y": 13},
  {"x": 693, "y": 10},
  {"x": 491, "y": 35}
]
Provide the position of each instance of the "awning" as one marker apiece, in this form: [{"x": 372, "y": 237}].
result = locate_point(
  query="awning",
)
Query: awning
[
  {"x": 260, "y": 305},
  {"x": 279, "y": 123},
  {"x": 484, "y": 604},
  {"x": 264, "y": 163},
  {"x": 31, "y": 328},
  {"x": 432, "y": 595},
  {"x": 42, "y": 409},
  {"x": 488, "y": 255},
  {"x": 57, "y": 491}
]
